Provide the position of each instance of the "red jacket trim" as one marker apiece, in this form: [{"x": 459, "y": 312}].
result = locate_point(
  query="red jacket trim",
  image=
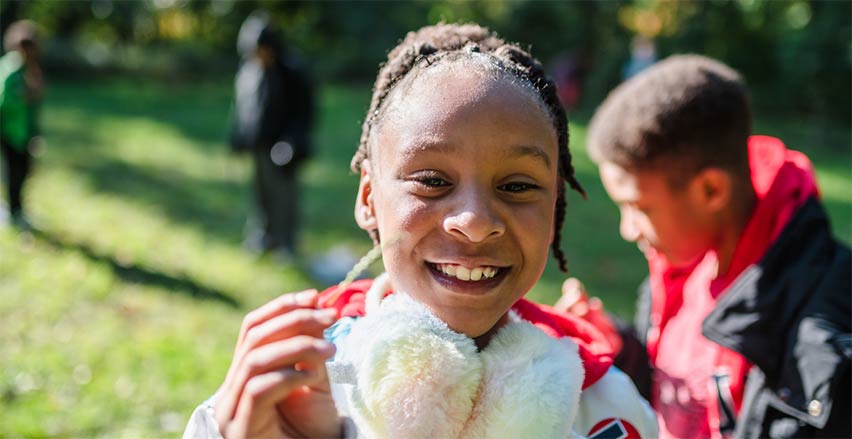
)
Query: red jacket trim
[{"x": 594, "y": 350}]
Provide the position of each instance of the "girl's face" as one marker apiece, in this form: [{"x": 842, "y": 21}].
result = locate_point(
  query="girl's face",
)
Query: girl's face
[{"x": 462, "y": 187}]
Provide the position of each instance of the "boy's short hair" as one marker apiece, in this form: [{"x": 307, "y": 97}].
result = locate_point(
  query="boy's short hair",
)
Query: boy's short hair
[
  {"x": 20, "y": 33},
  {"x": 681, "y": 115}
]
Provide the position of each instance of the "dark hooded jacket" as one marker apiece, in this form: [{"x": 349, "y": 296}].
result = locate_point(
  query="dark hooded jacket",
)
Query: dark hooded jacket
[
  {"x": 273, "y": 105},
  {"x": 790, "y": 316}
]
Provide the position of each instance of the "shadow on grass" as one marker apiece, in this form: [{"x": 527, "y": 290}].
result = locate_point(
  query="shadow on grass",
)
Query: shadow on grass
[
  {"x": 132, "y": 273},
  {"x": 199, "y": 111},
  {"x": 216, "y": 207}
]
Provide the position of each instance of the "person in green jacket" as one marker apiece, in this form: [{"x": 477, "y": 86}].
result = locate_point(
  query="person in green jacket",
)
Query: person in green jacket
[{"x": 21, "y": 88}]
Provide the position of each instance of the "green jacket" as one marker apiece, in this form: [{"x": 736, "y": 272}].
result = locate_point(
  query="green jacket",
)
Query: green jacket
[{"x": 18, "y": 117}]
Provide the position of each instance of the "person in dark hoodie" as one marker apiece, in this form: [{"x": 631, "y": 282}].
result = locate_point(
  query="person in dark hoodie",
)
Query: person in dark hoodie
[
  {"x": 272, "y": 119},
  {"x": 745, "y": 316}
]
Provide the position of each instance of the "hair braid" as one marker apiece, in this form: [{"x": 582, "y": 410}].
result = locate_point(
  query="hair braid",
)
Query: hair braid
[
  {"x": 547, "y": 91},
  {"x": 433, "y": 43}
]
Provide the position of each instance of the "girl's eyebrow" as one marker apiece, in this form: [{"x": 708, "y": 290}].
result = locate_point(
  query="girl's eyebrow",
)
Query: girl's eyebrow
[
  {"x": 528, "y": 151},
  {"x": 422, "y": 146},
  {"x": 514, "y": 152}
]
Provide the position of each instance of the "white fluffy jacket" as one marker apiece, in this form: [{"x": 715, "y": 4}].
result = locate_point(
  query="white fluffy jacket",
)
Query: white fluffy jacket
[{"x": 411, "y": 376}]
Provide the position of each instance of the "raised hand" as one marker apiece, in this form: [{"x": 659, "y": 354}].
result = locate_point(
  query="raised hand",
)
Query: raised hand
[
  {"x": 576, "y": 301},
  {"x": 277, "y": 385}
]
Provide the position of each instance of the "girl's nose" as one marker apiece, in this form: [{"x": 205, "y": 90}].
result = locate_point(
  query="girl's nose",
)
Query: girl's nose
[{"x": 475, "y": 222}]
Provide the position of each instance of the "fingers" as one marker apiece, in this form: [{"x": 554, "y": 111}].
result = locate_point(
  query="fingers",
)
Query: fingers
[
  {"x": 301, "y": 352},
  {"x": 278, "y": 306},
  {"x": 283, "y": 334},
  {"x": 271, "y": 339},
  {"x": 595, "y": 304},
  {"x": 292, "y": 363},
  {"x": 300, "y": 321},
  {"x": 573, "y": 288},
  {"x": 256, "y": 415},
  {"x": 577, "y": 302},
  {"x": 573, "y": 294}
]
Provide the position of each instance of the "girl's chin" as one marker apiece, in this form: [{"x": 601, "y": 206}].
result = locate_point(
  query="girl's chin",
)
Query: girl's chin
[{"x": 473, "y": 329}]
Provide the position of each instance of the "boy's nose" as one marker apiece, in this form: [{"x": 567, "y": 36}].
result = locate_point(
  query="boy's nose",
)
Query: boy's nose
[
  {"x": 628, "y": 228},
  {"x": 474, "y": 222}
]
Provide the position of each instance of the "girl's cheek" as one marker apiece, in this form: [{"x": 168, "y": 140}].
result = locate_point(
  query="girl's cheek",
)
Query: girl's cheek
[
  {"x": 413, "y": 213},
  {"x": 537, "y": 213}
]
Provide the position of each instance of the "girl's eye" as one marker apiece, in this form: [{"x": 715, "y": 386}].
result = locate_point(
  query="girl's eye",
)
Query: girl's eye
[
  {"x": 518, "y": 187},
  {"x": 428, "y": 183},
  {"x": 433, "y": 182}
]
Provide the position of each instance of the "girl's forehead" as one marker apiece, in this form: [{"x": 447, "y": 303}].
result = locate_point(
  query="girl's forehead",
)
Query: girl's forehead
[
  {"x": 478, "y": 74},
  {"x": 456, "y": 85},
  {"x": 454, "y": 107}
]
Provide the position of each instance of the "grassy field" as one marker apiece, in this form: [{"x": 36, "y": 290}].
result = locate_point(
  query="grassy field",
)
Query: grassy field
[{"x": 118, "y": 315}]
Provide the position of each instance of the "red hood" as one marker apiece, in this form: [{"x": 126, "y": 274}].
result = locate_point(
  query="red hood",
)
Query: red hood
[
  {"x": 783, "y": 180},
  {"x": 593, "y": 348}
]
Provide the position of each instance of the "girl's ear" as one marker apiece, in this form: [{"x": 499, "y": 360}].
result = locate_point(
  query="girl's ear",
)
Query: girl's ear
[{"x": 365, "y": 212}]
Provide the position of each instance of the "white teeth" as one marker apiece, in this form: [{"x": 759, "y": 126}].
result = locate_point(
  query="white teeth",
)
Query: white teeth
[
  {"x": 467, "y": 274},
  {"x": 463, "y": 273}
]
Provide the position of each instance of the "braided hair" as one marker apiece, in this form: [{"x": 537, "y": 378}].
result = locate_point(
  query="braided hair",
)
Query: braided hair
[{"x": 431, "y": 45}]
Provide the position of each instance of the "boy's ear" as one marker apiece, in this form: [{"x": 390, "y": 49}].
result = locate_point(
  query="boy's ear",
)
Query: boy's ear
[
  {"x": 365, "y": 212},
  {"x": 712, "y": 189}
]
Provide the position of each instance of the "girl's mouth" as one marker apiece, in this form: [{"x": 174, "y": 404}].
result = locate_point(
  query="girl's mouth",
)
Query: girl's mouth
[{"x": 466, "y": 277}]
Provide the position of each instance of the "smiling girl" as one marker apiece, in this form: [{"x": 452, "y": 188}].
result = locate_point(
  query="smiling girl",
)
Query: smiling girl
[{"x": 463, "y": 161}]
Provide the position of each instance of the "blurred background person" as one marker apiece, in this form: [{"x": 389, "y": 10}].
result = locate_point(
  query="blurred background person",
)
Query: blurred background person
[
  {"x": 643, "y": 54},
  {"x": 273, "y": 117},
  {"x": 21, "y": 89},
  {"x": 569, "y": 72}
]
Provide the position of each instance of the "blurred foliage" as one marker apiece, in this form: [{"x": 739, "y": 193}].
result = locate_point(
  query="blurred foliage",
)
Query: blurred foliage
[{"x": 795, "y": 54}]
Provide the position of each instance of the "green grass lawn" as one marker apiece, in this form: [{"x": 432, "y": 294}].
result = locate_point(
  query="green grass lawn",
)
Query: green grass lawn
[{"x": 119, "y": 314}]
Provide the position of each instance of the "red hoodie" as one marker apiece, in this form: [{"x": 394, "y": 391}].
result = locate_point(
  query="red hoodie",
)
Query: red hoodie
[
  {"x": 698, "y": 385},
  {"x": 594, "y": 350}
]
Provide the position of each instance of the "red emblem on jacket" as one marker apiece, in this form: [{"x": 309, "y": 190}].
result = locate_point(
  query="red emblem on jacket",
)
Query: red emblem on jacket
[{"x": 614, "y": 428}]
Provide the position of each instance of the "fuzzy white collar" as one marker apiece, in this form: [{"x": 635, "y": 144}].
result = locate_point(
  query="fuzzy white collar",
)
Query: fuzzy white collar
[{"x": 413, "y": 377}]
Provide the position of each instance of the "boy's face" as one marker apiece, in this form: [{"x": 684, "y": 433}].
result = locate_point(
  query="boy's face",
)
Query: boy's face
[
  {"x": 266, "y": 56},
  {"x": 655, "y": 215},
  {"x": 462, "y": 186},
  {"x": 29, "y": 51}
]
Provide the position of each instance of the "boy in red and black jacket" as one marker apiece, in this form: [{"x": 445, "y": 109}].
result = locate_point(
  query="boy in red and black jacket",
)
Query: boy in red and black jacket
[{"x": 745, "y": 316}]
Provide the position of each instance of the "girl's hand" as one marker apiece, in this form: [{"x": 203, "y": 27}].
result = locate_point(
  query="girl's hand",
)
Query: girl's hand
[{"x": 277, "y": 384}]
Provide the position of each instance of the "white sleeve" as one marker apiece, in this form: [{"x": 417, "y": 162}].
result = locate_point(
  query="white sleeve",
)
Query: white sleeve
[
  {"x": 613, "y": 405},
  {"x": 202, "y": 423}
]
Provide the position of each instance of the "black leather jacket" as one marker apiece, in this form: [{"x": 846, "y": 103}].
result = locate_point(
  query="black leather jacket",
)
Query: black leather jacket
[{"x": 791, "y": 316}]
